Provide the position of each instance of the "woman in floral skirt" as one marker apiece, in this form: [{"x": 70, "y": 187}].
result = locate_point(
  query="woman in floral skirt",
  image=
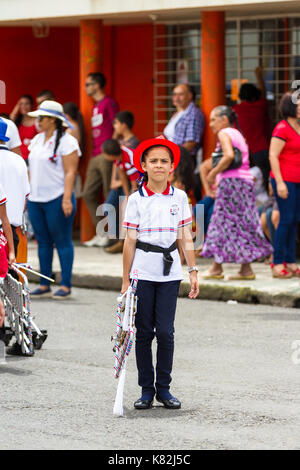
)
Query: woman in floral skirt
[{"x": 234, "y": 234}]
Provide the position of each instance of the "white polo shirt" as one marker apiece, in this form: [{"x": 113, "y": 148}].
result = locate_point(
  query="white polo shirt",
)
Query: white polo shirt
[
  {"x": 13, "y": 134},
  {"x": 47, "y": 177},
  {"x": 157, "y": 218},
  {"x": 14, "y": 180},
  {"x": 2, "y": 195}
]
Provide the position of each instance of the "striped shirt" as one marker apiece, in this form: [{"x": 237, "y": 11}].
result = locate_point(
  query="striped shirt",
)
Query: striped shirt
[{"x": 126, "y": 164}]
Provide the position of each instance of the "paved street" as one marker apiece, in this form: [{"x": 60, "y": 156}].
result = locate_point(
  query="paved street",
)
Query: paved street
[
  {"x": 233, "y": 372},
  {"x": 93, "y": 267}
]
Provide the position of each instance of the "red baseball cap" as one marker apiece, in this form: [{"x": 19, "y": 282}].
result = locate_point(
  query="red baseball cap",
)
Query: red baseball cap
[{"x": 143, "y": 146}]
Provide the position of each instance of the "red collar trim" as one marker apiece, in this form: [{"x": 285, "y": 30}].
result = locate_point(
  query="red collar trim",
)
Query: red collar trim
[{"x": 150, "y": 193}]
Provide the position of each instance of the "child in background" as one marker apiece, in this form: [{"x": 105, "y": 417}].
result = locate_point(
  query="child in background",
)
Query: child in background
[
  {"x": 123, "y": 124},
  {"x": 122, "y": 157}
]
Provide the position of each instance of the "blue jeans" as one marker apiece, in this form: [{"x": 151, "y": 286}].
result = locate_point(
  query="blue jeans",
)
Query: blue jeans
[
  {"x": 285, "y": 236},
  {"x": 113, "y": 218},
  {"x": 208, "y": 203},
  {"x": 51, "y": 227}
]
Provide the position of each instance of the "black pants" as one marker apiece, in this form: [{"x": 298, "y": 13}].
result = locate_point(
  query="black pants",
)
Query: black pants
[{"x": 155, "y": 317}]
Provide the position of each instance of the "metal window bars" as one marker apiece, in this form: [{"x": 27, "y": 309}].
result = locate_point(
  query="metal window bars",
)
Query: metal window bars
[{"x": 271, "y": 42}]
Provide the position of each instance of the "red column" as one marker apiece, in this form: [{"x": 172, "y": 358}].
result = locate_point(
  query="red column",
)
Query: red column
[
  {"x": 212, "y": 70},
  {"x": 91, "y": 60}
]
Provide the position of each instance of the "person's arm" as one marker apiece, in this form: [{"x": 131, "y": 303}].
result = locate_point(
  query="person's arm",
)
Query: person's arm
[
  {"x": 17, "y": 150},
  {"x": 70, "y": 164},
  {"x": 8, "y": 234},
  {"x": 228, "y": 156},
  {"x": 14, "y": 114},
  {"x": 2, "y": 313},
  {"x": 194, "y": 130},
  {"x": 185, "y": 241},
  {"x": 189, "y": 145},
  {"x": 115, "y": 183},
  {"x": 260, "y": 81},
  {"x": 276, "y": 148},
  {"x": 128, "y": 255},
  {"x": 125, "y": 182},
  {"x": 205, "y": 169}
]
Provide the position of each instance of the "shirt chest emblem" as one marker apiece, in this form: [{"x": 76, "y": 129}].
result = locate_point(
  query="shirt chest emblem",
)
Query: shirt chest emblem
[{"x": 174, "y": 209}]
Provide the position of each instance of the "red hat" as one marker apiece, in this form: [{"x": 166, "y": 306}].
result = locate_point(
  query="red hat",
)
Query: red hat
[{"x": 138, "y": 153}]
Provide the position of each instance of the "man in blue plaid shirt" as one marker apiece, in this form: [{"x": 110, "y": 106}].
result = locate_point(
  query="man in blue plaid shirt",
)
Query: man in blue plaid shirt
[{"x": 186, "y": 126}]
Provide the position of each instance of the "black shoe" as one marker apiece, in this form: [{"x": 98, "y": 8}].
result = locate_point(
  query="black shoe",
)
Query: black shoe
[
  {"x": 141, "y": 404},
  {"x": 39, "y": 340},
  {"x": 16, "y": 350},
  {"x": 172, "y": 403}
]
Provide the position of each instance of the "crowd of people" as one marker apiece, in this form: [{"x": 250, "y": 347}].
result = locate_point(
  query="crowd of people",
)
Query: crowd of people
[{"x": 249, "y": 186}]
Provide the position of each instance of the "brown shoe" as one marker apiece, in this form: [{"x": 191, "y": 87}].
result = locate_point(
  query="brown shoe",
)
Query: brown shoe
[{"x": 116, "y": 248}]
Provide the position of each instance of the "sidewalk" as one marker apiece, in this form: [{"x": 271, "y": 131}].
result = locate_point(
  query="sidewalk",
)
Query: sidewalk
[{"x": 94, "y": 268}]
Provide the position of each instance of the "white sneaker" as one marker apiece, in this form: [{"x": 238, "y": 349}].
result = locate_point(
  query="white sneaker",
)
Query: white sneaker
[{"x": 97, "y": 240}]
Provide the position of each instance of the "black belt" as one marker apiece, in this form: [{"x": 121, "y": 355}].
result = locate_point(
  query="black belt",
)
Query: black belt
[{"x": 168, "y": 260}]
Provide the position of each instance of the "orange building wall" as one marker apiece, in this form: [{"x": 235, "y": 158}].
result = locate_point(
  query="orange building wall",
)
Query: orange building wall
[
  {"x": 132, "y": 71},
  {"x": 31, "y": 64}
]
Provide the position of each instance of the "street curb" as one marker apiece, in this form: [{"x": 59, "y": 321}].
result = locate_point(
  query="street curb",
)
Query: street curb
[{"x": 215, "y": 292}]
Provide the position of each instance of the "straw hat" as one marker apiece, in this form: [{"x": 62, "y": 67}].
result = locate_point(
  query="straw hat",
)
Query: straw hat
[{"x": 51, "y": 109}]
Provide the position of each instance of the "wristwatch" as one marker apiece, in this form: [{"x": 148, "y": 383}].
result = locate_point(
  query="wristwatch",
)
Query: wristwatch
[{"x": 193, "y": 268}]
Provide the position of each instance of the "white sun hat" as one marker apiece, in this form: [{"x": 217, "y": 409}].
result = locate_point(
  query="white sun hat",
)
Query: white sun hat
[{"x": 51, "y": 109}]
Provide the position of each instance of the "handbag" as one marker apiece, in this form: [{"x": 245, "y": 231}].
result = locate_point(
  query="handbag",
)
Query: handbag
[{"x": 217, "y": 155}]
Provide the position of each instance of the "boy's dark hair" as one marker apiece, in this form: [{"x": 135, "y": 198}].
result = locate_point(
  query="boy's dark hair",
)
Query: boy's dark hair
[
  {"x": 111, "y": 147},
  {"x": 125, "y": 117},
  {"x": 99, "y": 78},
  {"x": 49, "y": 95},
  {"x": 287, "y": 107},
  {"x": 249, "y": 92}
]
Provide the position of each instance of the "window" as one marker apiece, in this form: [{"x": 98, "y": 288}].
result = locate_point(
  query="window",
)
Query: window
[{"x": 272, "y": 43}]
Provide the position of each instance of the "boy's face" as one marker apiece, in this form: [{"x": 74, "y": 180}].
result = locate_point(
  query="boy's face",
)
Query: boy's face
[
  {"x": 158, "y": 164},
  {"x": 119, "y": 127}
]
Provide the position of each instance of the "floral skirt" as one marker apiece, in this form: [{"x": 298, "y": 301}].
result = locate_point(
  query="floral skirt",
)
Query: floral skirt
[{"x": 235, "y": 234}]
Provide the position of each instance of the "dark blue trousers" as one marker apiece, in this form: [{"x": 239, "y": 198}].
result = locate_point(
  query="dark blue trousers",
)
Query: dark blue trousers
[
  {"x": 155, "y": 317},
  {"x": 286, "y": 233},
  {"x": 51, "y": 227}
]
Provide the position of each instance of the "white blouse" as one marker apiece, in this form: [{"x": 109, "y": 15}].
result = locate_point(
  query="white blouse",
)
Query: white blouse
[{"x": 47, "y": 176}]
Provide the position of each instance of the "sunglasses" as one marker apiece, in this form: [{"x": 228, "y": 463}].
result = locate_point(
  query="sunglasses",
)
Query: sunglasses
[
  {"x": 40, "y": 118},
  {"x": 89, "y": 84}
]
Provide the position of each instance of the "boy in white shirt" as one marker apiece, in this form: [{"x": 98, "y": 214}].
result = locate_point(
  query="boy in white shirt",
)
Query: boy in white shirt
[{"x": 157, "y": 216}]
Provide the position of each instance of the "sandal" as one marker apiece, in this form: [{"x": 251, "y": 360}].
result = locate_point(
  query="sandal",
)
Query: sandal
[
  {"x": 241, "y": 277},
  {"x": 283, "y": 274},
  {"x": 295, "y": 272},
  {"x": 207, "y": 275}
]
